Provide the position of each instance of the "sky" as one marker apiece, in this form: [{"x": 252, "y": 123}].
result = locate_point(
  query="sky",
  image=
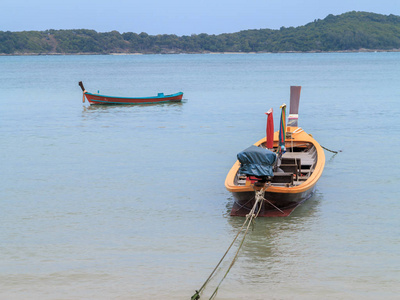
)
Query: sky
[{"x": 180, "y": 17}]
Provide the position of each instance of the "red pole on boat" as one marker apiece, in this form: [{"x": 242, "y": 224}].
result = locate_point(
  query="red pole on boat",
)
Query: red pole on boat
[{"x": 270, "y": 129}]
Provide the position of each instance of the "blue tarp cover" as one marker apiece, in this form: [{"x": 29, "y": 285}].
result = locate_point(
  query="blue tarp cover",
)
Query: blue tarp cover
[{"x": 256, "y": 161}]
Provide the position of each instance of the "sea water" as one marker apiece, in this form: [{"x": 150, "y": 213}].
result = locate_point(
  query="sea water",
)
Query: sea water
[{"x": 128, "y": 202}]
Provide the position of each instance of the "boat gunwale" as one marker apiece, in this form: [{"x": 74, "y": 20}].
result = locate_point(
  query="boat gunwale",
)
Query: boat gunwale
[{"x": 135, "y": 98}]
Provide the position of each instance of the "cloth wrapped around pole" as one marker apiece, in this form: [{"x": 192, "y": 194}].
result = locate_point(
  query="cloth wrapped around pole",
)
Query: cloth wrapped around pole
[
  {"x": 270, "y": 129},
  {"x": 282, "y": 130},
  {"x": 256, "y": 161}
]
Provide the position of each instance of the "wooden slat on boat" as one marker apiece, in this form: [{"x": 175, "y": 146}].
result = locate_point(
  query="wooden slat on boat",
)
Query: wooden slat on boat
[{"x": 305, "y": 157}]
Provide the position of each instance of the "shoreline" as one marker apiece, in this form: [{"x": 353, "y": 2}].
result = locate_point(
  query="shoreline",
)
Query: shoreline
[{"x": 176, "y": 53}]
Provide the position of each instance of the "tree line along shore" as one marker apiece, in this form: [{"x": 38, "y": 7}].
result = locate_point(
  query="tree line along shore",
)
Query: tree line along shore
[{"x": 348, "y": 32}]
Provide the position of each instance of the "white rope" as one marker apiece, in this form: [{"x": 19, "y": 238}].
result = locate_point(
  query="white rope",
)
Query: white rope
[
  {"x": 259, "y": 197},
  {"x": 249, "y": 217},
  {"x": 298, "y": 130}
]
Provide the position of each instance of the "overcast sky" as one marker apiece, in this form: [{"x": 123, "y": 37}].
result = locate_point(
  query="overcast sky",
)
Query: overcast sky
[{"x": 180, "y": 17}]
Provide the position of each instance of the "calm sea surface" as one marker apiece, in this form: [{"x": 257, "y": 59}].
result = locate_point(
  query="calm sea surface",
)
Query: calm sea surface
[{"x": 128, "y": 202}]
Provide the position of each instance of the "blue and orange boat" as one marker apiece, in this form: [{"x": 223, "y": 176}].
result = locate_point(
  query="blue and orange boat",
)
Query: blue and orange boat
[
  {"x": 94, "y": 99},
  {"x": 284, "y": 167}
]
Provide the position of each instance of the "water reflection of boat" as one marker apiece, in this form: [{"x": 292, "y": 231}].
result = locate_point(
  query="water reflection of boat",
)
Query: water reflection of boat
[
  {"x": 97, "y": 99},
  {"x": 285, "y": 166},
  {"x": 121, "y": 107}
]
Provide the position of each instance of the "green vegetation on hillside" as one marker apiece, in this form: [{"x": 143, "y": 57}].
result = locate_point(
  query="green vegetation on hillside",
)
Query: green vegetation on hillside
[{"x": 351, "y": 31}]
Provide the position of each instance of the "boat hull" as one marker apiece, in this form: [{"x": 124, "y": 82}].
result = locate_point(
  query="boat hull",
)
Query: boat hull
[
  {"x": 287, "y": 203},
  {"x": 280, "y": 199},
  {"x": 97, "y": 99}
]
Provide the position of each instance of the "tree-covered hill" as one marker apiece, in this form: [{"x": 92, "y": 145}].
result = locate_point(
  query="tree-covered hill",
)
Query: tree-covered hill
[{"x": 352, "y": 31}]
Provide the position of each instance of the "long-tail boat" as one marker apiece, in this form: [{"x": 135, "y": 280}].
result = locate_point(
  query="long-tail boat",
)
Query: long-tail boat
[
  {"x": 284, "y": 166},
  {"x": 103, "y": 99}
]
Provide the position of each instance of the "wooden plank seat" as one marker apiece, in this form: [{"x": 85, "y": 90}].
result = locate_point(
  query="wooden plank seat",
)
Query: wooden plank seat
[
  {"x": 289, "y": 160},
  {"x": 306, "y": 159},
  {"x": 289, "y": 168},
  {"x": 282, "y": 177}
]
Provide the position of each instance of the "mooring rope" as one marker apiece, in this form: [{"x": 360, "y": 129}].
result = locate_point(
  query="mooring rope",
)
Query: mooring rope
[
  {"x": 331, "y": 150},
  {"x": 274, "y": 206},
  {"x": 259, "y": 197}
]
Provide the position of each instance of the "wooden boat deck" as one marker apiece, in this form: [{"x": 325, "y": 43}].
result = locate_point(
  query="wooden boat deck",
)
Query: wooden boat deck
[{"x": 296, "y": 167}]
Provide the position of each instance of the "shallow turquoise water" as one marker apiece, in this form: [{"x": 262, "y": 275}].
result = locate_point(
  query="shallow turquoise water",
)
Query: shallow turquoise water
[{"x": 128, "y": 202}]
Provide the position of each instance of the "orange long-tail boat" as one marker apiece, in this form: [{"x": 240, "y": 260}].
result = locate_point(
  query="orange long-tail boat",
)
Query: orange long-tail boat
[
  {"x": 96, "y": 99},
  {"x": 284, "y": 167}
]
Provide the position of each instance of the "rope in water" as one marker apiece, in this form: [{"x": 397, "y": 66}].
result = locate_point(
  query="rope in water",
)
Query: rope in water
[
  {"x": 331, "y": 150},
  {"x": 249, "y": 219},
  {"x": 326, "y": 148}
]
